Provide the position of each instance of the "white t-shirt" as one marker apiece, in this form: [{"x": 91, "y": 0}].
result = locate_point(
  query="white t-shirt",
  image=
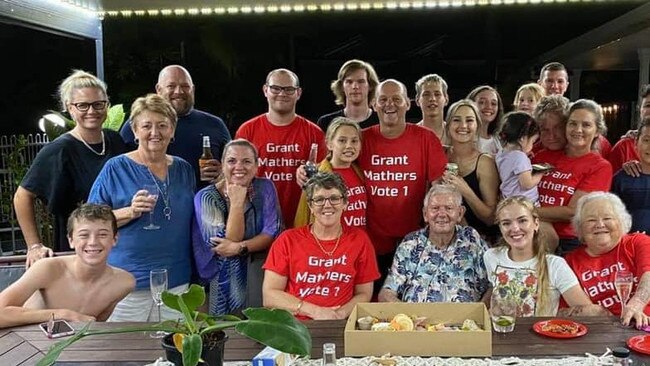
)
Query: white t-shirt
[{"x": 520, "y": 279}]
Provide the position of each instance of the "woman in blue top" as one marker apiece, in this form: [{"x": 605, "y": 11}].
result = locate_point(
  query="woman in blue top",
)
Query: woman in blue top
[
  {"x": 237, "y": 219},
  {"x": 120, "y": 185}
]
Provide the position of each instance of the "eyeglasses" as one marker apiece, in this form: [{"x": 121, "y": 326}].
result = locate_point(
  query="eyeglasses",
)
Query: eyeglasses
[
  {"x": 99, "y": 105},
  {"x": 288, "y": 90},
  {"x": 333, "y": 200}
]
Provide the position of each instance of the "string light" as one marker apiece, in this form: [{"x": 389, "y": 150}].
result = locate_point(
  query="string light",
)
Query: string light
[{"x": 310, "y": 6}]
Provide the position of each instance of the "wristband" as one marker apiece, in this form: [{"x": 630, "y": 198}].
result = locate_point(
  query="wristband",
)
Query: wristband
[
  {"x": 34, "y": 246},
  {"x": 298, "y": 307}
]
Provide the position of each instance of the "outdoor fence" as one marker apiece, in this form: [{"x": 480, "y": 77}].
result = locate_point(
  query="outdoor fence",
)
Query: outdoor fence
[{"x": 16, "y": 155}]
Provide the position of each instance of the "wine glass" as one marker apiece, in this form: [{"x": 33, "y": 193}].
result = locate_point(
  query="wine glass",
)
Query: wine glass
[
  {"x": 152, "y": 189},
  {"x": 623, "y": 281},
  {"x": 158, "y": 284}
]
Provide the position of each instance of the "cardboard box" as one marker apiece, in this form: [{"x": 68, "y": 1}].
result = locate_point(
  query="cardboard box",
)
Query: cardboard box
[{"x": 420, "y": 343}]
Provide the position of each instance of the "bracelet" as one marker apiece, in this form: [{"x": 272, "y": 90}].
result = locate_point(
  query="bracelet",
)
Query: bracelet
[
  {"x": 298, "y": 307},
  {"x": 34, "y": 246}
]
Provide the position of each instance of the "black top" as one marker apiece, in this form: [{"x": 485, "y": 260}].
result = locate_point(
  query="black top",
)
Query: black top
[
  {"x": 63, "y": 173},
  {"x": 325, "y": 120},
  {"x": 489, "y": 232}
]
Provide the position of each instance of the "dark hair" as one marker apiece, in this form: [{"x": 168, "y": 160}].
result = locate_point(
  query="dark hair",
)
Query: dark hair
[
  {"x": 552, "y": 66},
  {"x": 644, "y": 123},
  {"x": 92, "y": 212},
  {"x": 494, "y": 126},
  {"x": 516, "y": 125},
  {"x": 325, "y": 180}
]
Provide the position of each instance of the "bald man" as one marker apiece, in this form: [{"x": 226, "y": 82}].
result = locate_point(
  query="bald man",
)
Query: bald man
[{"x": 176, "y": 86}]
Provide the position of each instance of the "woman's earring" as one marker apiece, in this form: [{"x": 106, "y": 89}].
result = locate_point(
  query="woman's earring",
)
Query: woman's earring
[
  {"x": 172, "y": 140},
  {"x": 136, "y": 140}
]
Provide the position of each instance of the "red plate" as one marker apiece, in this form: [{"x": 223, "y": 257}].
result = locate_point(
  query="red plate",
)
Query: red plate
[
  {"x": 539, "y": 328},
  {"x": 640, "y": 343}
]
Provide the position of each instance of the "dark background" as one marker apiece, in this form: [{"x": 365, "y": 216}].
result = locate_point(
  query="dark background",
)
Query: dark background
[{"x": 229, "y": 56}]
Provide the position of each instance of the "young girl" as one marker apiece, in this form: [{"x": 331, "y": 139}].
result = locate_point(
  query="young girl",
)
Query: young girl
[
  {"x": 518, "y": 134},
  {"x": 527, "y": 97},
  {"x": 343, "y": 138},
  {"x": 521, "y": 267}
]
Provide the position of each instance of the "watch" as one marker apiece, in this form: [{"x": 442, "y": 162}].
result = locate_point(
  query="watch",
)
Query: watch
[{"x": 243, "y": 249}]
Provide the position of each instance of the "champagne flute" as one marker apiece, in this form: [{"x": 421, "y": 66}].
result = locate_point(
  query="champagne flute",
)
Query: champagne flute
[
  {"x": 623, "y": 281},
  {"x": 152, "y": 190},
  {"x": 158, "y": 284}
]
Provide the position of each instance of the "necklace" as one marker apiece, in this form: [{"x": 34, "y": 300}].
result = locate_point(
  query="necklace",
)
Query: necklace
[
  {"x": 167, "y": 211},
  {"x": 330, "y": 253},
  {"x": 76, "y": 134}
]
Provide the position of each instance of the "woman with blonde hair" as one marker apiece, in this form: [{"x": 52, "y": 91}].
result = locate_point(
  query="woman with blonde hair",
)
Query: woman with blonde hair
[
  {"x": 141, "y": 246},
  {"x": 522, "y": 268},
  {"x": 343, "y": 139},
  {"x": 477, "y": 179},
  {"x": 65, "y": 169}
]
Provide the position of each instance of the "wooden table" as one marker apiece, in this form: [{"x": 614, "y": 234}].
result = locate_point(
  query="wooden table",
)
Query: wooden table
[{"x": 26, "y": 345}]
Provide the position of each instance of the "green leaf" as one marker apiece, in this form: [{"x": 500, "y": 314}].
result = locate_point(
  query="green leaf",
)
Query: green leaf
[
  {"x": 114, "y": 118},
  {"x": 193, "y": 298},
  {"x": 276, "y": 328},
  {"x": 192, "y": 347}
]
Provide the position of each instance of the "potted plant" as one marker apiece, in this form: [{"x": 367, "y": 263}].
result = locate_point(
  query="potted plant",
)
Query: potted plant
[{"x": 272, "y": 327}]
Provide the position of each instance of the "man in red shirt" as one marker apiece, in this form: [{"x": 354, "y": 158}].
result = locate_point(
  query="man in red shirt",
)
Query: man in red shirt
[
  {"x": 399, "y": 161},
  {"x": 283, "y": 138}
]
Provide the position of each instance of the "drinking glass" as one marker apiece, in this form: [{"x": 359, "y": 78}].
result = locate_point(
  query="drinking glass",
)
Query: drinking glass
[
  {"x": 158, "y": 284},
  {"x": 623, "y": 281},
  {"x": 503, "y": 311},
  {"x": 152, "y": 189}
]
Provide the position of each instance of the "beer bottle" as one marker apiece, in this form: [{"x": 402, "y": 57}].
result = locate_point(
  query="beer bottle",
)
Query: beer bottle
[
  {"x": 206, "y": 155},
  {"x": 310, "y": 165}
]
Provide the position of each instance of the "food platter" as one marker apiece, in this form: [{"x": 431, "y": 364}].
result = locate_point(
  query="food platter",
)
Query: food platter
[{"x": 560, "y": 328}]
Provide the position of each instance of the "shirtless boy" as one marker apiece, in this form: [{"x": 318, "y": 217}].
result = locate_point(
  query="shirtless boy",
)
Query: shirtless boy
[{"x": 80, "y": 287}]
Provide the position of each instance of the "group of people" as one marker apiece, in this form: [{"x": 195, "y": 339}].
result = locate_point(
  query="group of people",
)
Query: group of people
[{"x": 454, "y": 208}]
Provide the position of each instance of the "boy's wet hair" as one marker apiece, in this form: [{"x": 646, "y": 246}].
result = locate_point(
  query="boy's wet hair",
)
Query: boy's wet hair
[{"x": 92, "y": 212}]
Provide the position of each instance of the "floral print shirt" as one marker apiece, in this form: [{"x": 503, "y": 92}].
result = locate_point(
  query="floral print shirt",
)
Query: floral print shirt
[{"x": 423, "y": 273}]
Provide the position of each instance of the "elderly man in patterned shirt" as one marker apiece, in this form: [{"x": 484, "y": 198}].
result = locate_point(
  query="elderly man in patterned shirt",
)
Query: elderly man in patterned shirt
[{"x": 442, "y": 262}]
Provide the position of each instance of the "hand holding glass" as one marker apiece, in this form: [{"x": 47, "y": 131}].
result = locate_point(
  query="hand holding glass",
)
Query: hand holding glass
[
  {"x": 503, "y": 311},
  {"x": 623, "y": 281},
  {"x": 152, "y": 190},
  {"x": 158, "y": 284}
]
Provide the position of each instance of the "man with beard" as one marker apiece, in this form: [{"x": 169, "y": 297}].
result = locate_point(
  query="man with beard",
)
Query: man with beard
[
  {"x": 354, "y": 89},
  {"x": 283, "y": 138},
  {"x": 176, "y": 86}
]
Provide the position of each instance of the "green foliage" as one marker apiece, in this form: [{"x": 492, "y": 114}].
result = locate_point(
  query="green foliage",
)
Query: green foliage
[
  {"x": 114, "y": 120},
  {"x": 17, "y": 168},
  {"x": 272, "y": 327}
]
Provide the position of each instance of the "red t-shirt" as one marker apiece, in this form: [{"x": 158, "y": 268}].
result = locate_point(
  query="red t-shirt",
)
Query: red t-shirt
[
  {"x": 586, "y": 173},
  {"x": 604, "y": 147},
  {"x": 622, "y": 152},
  {"x": 315, "y": 277},
  {"x": 596, "y": 274},
  {"x": 355, "y": 213},
  {"x": 398, "y": 173},
  {"x": 282, "y": 149}
]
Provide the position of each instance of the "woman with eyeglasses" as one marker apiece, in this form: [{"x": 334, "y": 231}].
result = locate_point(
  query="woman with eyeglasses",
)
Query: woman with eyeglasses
[
  {"x": 64, "y": 170},
  {"x": 320, "y": 271},
  {"x": 235, "y": 221}
]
